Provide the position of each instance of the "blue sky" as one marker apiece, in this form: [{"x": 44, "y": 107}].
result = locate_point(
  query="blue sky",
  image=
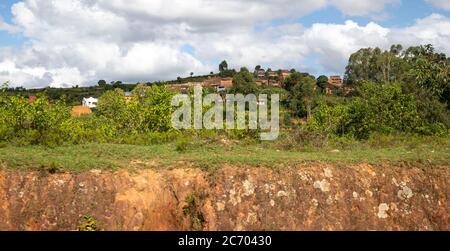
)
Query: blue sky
[
  {"x": 7, "y": 39},
  {"x": 65, "y": 39}
]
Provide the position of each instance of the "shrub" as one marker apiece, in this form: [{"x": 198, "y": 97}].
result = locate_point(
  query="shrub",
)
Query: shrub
[
  {"x": 181, "y": 146},
  {"x": 88, "y": 224},
  {"x": 380, "y": 108}
]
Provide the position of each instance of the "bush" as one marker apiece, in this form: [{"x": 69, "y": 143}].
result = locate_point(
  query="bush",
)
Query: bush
[
  {"x": 182, "y": 146},
  {"x": 380, "y": 108}
]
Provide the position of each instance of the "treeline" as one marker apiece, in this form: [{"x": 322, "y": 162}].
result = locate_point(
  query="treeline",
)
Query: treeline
[{"x": 420, "y": 69}]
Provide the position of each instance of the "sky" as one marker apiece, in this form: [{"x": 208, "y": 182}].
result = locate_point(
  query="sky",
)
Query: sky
[{"x": 63, "y": 43}]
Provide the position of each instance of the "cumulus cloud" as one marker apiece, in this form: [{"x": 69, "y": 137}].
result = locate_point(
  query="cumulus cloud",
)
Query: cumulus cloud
[
  {"x": 78, "y": 42},
  {"x": 7, "y": 27},
  {"x": 443, "y": 4},
  {"x": 362, "y": 7}
]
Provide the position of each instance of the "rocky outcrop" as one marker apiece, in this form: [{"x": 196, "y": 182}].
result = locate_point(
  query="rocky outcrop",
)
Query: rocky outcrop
[{"x": 311, "y": 196}]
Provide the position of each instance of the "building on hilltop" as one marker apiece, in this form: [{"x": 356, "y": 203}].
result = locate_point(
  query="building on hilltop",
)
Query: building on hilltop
[
  {"x": 284, "y": 74},
  {"x": 335, "y": 81},
  {"x": 261, "y": 73},
  {"x": 90, "y": 102},
  {"x": 272, "y": 74}
]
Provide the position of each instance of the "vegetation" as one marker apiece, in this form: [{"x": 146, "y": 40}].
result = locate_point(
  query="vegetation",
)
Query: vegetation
[
  {"x": 193, "y": 210},
  {"x": 89, "y": 224},
  {"x": 399, "y": 95},
  {"x": 209, "y": 152}
]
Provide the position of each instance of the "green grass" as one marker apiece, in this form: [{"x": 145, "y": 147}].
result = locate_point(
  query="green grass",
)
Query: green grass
[{"x": 210, "y": 156}]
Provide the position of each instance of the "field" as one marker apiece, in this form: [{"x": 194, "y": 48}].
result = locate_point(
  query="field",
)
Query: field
[{"x": 211, "y": 155}]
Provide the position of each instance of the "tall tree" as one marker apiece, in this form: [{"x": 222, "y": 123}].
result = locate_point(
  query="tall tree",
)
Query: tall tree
[
  {"x": 302, "y": 93},
  {"x": 102, "y": 83},
  {"x": 322, "y": 81},
  {"x": 244, "y": 83},
  {"x": 223, "y": 66}
]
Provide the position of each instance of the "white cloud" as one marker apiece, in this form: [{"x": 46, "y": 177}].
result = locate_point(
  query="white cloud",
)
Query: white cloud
[
  {"x": 7, "y": 27},
  {"x": 362, "y": 7},
  {"x": 78, "y": 42},
  {"x": 444, "y": 4}
]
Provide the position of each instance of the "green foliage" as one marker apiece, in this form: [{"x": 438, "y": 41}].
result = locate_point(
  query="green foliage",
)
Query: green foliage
[
  {"x": 102, "y": 83},
  {"x": 380, "y": 108},
  {"x": 322, "y": 81},
  {"x": 223, "y": 66},
  {"x": 419, "y": 66},
  {"x": 148, "y": 110},
  {"x": 37, "y": 123},
  {"x": 302, "y": 93},
  {"x": 181, "y": 146},
  {"x": 88, "y": 224},
  {"x": 193, "y": 210},
  {"x": 115, "y": 120},
  {"x": 244, "y": 83}
]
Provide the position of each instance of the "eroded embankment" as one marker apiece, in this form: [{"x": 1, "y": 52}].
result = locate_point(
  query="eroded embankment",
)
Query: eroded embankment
[{"x": 307, "y": 197}]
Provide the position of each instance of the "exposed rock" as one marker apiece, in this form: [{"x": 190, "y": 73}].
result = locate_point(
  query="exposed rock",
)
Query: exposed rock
[
  {"x": 328, "y": 173},
  {"x": 382, "y": 211},
  {"x": 233, "y": 198},
  {"x": 405, "y": 193},
  {"x": 323, "y": 185}
]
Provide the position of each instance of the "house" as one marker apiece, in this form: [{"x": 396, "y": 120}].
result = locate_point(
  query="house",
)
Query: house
[
  {"x": 272, "y": 74},
  {"x": 336, "y": 81},
  {"x": 262, "y": 81},
  {"x": 226, "y": 82},
  {"x": 330, "y": 89},
  {"x": 284, "y": 74},
  {"x": 90, "y": 102},
  {"x": 79, "y": 111},
  {"x": 275, "y": 83},
  {"x": 222, "y": 83},
  {"x": 261, "y": 73}
]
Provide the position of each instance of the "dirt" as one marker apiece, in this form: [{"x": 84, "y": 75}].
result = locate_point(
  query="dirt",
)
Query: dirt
[{"x": 311, "y": 196}]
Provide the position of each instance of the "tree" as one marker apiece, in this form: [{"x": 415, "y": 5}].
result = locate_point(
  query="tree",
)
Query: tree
[
  {"x": 258, "y": 67},
  {"x": 5, "y": 86},
  {"x": 102, "y": 83},
  {"x": 359, "y": 65},
  {"x": 223, "y": 67},
  {"x": 192, "y": 74},
  {"x": 292, "y": 80},
  {"x": 428, "y": 70},
  {"x": 322, "y": 81},
  {"x": 302, "y": 95},
  {"x": 244, "y": 83},
  {"x": 116, "y": 84},
  {"x": 308, "y": 94},
  {"x": 112, "y": 105}
]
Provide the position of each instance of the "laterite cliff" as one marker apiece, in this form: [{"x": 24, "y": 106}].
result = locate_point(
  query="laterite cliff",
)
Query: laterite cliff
[{"x": 311, "y": 196}]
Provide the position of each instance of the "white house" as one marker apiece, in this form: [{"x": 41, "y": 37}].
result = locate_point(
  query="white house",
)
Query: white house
[{"x": 90, "y": 102}]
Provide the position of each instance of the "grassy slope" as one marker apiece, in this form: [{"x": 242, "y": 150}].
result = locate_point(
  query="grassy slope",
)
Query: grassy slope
[{"x": 208, "y": 155}]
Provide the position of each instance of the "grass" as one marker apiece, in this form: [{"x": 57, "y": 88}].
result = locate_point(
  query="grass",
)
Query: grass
[{"x": 209, "y": 156}]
